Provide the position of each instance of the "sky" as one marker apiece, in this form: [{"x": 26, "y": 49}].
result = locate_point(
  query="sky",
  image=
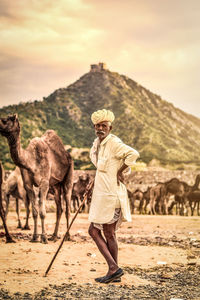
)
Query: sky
[{"x": 48, "y": 44}]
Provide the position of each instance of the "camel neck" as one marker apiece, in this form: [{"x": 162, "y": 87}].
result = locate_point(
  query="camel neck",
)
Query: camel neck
[
  {"x": 1, "y": 174},
  {"x": 17, "y": 152},
  {"x": 196, "y": 184}
]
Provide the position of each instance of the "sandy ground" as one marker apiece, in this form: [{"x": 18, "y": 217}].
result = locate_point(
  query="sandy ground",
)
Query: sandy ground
[{"x": 145, "y": 243}]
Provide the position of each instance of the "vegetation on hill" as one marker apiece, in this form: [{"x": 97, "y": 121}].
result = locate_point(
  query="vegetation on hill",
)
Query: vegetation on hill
[{"x": 151, "y": 125}]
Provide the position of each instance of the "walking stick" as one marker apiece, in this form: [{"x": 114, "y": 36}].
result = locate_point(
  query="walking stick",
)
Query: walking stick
[{"x": 88, "y": 188}]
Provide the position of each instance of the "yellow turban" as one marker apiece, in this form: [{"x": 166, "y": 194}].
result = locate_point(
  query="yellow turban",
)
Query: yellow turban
[{"x": 102, "y": 115}]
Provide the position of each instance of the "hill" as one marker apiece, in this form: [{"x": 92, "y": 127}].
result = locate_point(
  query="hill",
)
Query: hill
[{"x": 153, "y": 126}]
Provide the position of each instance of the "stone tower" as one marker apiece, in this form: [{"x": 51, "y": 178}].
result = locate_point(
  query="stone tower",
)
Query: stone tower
[{"x": 98, "y": 67}]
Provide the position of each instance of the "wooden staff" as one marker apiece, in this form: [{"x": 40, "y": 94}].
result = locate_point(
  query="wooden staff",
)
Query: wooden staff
[{"x": 88, "y": 188}]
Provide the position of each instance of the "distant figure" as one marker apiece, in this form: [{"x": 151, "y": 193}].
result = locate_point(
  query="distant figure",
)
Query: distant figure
[{"x": 110, "y": 204}]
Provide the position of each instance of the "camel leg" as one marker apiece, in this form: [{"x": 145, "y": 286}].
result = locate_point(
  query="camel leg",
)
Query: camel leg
[
  {"x": 177, "y": 206},
  {"x": 67, "y": 211},
  {"x": 18, "y": 213},
  {"x": 35, "y": 237},
  {"x": 27, "y": 205},
  {"x": 186, "y": 206},
  {"x": 180, "y": 208},
  {"x": 160, "y": 207},
  {"x": 88, "y": 201},
  {"x": 7, "y": 199},
  {"x": 2, "y": 215},
  {"x": 44, "y": 187},
  {"x": 153, "y": 210},
  {"x": 152, "y": 207},
  {"x": 67, "y": 197},
  {"x": 8, "y": 236},
  {"x": 133, "y": 208},
  {"x": 145, "y": 207},
  {"x": 152, "y": 203},
  {"x": 170, "y": 208},
  {"x": 59, "y": 210},
  {"x": 198, "y": 213},
  {"x": 73, "y": 205},
  {"x": 141, "y": 206},
  {"x": 31, "y": 195},
  {"x": 2, "y": 212},
  {"x": 67, "y": 193},
  {"x": 165, "y": 205},
  {"x": 84, "y": 206},
  {"x": 193, "y": 208},
  {"x": 132, "y": 205},
  {"x": 76, "y": 203},
  {"x": 87, "y": 207}
]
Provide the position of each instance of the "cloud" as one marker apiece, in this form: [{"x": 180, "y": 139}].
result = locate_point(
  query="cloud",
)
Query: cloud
[{"x": 47, "y": 43}]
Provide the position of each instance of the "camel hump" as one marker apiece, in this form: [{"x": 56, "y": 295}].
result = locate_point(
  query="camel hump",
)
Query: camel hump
[{"x": 55, "y": 143}]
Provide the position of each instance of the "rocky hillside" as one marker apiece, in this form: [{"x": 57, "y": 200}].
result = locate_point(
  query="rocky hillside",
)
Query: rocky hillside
[{"x": 151, "y": 125}]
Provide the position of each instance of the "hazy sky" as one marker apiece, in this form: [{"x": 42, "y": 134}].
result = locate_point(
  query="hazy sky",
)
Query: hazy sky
[{"x": 48, "y": 44}]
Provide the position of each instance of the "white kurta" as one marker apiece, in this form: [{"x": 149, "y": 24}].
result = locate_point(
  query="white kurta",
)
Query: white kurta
[{"x": 107, "y": 194}]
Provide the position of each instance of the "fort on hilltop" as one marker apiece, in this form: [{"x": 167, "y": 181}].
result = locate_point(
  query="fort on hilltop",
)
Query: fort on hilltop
[{"x": 98, "y": 67}]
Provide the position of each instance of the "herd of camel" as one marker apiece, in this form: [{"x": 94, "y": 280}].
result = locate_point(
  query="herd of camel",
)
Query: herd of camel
[
  {"x": 45, "y": 167},
  {"x": 161, "y": 198}
]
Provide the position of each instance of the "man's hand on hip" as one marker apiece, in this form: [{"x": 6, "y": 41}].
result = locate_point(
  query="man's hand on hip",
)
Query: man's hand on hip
[{"x": 120, "y": 175}]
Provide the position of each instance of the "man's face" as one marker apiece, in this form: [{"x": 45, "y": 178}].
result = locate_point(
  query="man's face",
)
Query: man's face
[{"x": 102, "y": 129}]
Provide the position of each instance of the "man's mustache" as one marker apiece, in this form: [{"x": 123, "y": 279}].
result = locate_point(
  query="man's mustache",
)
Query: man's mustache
[{"x": 100, "y": 132}]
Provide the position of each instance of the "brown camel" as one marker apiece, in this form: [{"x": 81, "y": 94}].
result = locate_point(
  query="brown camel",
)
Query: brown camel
[
  {"x": 146, "y": 201},
  {"x": 2, "y": 212},
  {"x": 192, "y": 194},
  {"x": 137, "y": 195},
  {"x": 180, "y": 190},
  {"x": 156, "y": 199},
  {"x": 194, "y": 199},
  {"x": 131, "y": 200},
  {"x": 44, "y": 163},
  {"x": 78, "y": 191},
  {"x": 14, "y": 187},
  {"x": 173, "y": 187}
]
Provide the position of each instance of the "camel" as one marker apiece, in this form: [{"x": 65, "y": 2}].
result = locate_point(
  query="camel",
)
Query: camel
[
  {"x": 192, "y": 194},
  {"x": 137, "y": 195},
  {"x": 14, "y": 187},
  {"x": 44, "y": 163},
  {"x": 160, "y": 195},
  {"x": 180, "y": 190},
  {"x": 172, "y": 187},
  {"x": 2, "y": 212},
  {"x": 146, "y": 201},
  {"x": 131, "y": 200},
  {"x": 194, "y": 199},
  {"x": 78, "y": 191},
  {"x": 157, "y": 204}
]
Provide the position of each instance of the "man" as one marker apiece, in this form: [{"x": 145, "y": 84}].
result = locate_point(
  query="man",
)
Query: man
[{"x": 110, "y": 204}]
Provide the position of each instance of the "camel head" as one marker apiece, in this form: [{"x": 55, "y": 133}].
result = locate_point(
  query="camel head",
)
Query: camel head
[{"x": 9, "y": 125}]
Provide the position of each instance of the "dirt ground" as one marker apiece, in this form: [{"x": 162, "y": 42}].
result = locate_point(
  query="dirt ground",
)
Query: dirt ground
[{"x": 160, "y": 256}]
